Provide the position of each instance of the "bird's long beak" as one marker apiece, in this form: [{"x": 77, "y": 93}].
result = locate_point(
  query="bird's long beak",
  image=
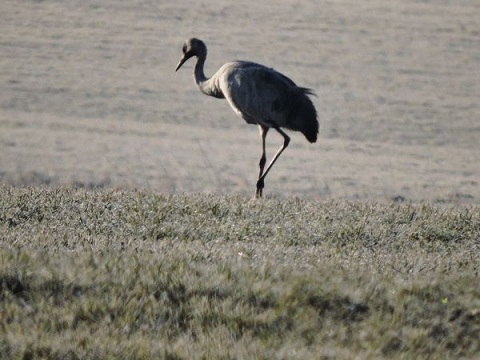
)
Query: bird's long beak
[{"x": 182, "y": 61}]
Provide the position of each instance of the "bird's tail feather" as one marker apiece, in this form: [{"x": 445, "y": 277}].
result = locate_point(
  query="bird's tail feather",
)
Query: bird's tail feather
[{"x": 306, "y": 120}]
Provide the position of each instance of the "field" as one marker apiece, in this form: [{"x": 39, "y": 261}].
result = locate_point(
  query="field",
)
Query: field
[
  {"x": 127, "y": 224},
  {"x": 126, "y": 274}
]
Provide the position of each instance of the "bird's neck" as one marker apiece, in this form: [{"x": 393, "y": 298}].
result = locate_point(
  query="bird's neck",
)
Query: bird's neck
[
  {"x": 200, "y": 77},
  {"x": 206, "y": 85}
]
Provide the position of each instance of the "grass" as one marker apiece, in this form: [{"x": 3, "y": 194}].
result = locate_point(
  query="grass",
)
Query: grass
[{"x": 113, "y": 274}]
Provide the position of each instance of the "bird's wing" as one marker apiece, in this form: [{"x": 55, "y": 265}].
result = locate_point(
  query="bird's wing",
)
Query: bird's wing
[{"x": 257, "y": 93}]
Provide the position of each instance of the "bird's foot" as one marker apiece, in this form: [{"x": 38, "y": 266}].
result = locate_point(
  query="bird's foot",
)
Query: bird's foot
[{"x": 260, "y": 186}]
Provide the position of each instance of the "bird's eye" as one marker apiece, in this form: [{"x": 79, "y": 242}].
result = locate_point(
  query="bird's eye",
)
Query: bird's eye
[{"x": 184, "y": 48}]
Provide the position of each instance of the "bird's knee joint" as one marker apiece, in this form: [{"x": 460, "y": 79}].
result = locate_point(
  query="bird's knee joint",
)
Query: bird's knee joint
[
  {"x": 286, "y": 142},
  {"x": 263, "y": 161}
]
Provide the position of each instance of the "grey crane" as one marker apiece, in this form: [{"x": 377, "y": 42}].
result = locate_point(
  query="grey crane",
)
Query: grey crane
[{"x": 260, "y": 95}]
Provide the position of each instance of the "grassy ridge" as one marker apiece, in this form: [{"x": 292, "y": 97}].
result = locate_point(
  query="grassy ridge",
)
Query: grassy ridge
[{"x": 109, "y": 274}]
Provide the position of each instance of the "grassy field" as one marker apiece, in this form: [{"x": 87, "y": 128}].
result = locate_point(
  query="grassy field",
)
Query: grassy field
[
  {"x": 397, "y": 87},
  {"x": 105, "y": 274},
  {"x": 126, "y": 230}
]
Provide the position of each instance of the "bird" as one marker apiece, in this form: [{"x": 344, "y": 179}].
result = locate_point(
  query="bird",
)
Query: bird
[{"x": 261, "y": 96}]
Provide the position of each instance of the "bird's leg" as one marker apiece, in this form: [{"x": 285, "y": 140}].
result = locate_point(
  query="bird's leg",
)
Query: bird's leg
[
  {"x": 263, "y": 160},
  {"x": 286, "y": 141}
]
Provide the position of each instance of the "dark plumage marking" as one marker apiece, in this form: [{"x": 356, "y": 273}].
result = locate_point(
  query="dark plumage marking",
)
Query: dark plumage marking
[{"x": 260, "y": 95}]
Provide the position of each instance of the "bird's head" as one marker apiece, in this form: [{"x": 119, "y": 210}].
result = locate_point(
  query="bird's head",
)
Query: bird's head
[{"x": 192, "y": 47}]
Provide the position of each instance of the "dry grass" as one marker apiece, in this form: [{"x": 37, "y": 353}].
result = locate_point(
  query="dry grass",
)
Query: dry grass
[
  {"x": 130, "y": 274},
  {"x": 397, "y": 85},
  {"x": 89, "y": 99}
]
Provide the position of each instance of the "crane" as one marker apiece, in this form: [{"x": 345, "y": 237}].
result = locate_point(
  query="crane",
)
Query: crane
[{"x": 260, "y": 95}]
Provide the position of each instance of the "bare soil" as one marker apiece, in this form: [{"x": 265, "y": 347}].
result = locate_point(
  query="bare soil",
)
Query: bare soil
[{"x": 89, "y": 97}]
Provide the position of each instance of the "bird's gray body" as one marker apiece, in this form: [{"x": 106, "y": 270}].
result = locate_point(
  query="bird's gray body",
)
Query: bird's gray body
[
  {"x": 263, "y": 96},
  {"x": 258, "y": 94}
]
